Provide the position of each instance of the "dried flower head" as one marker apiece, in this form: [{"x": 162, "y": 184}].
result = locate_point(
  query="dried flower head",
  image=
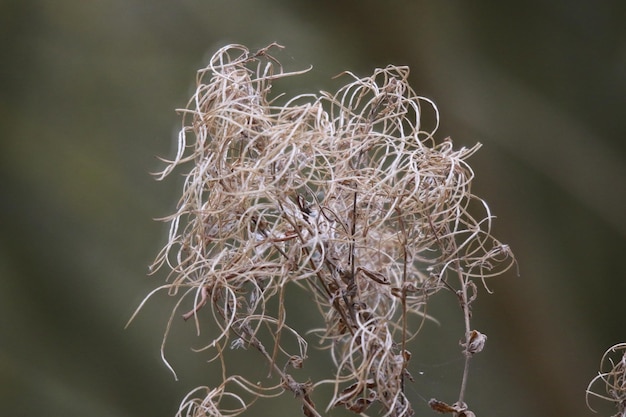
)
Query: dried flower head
[
  {"x": 611, "y": 379},
  {"x": 345, "y": 195}
]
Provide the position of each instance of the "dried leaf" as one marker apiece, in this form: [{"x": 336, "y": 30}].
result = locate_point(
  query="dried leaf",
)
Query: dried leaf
[{"x": 441, "y": 407}]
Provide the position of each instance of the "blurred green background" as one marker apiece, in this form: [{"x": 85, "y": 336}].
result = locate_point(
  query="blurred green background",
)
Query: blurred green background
[{"x": 87, "y": 97}]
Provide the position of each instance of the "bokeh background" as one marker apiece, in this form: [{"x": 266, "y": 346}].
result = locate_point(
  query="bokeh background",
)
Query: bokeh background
[{"x": 87, "y": 97}]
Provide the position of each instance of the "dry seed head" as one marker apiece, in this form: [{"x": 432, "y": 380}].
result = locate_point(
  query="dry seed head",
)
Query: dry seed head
[
  {"x": 611, "y": 379},
  {"x": 345, "y": 195}
]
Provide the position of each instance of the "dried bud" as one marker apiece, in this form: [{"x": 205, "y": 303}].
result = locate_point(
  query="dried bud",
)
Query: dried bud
[{"x": 475, "y": 342}]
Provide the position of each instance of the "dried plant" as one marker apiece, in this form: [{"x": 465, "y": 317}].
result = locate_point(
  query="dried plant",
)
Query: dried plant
[
  {"x": 344, "y": 195},
  {"x": 612, "y": 379}
]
